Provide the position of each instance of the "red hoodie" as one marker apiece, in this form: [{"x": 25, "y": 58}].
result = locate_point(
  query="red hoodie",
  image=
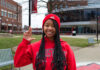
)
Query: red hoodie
[{"x": 26, "y": 54}]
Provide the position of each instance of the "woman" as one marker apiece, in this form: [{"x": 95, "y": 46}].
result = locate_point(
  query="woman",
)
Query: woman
[{"x": 50, "y": 53}]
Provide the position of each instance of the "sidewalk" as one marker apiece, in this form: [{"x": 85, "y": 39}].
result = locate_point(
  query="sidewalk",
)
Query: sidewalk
[
  {"x": 88, "y": 54},
  {"x": 28, "y": 67}
]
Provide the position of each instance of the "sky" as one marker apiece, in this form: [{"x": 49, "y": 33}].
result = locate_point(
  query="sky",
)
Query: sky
[{"x": 36, "y": 18}]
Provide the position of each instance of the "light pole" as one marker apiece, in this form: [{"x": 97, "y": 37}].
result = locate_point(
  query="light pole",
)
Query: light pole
[
  {"x": 97, "y": 24},
  {"x": 30, "y": 9}
]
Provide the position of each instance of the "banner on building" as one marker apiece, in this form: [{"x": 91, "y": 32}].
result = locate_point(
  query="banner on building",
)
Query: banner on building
[{"x": 34, "y": 6}]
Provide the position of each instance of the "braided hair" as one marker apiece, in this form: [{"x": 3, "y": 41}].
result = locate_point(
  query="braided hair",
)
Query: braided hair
[{"x": 59, "y": 60}]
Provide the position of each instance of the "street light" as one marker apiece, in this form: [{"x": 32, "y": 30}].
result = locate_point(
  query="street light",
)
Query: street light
[
  {"x": 97, "y": 24},
  {"x": 30, "y": 8}
]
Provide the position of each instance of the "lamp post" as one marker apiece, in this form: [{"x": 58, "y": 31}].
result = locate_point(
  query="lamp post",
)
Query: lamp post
[
  {"x": 97, "y": 24},
  {"x": 30, "y": 8}
]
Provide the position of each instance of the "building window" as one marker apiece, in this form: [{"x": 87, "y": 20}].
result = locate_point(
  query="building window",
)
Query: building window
[
  {"x": 14, "y": 8},
  {"x": 90, "y": 4},
  {"x": 61, "y": 0},
  {"x": 78, "y": 5},
  {"x": 6, "y": 4},
  {"x": 14, "y": 16},
  {"x": 11, "y": 6},
  {"x": 9, "y": 14},
  {"x": 56, "y": 7},
  {"x": 3, "y": 3},
  {"x": 50, "y": 0},
  {"x": 66, "y": 6},
  {"x": 83, "y": 15},
  {"x": 61, "y": 6},
  {"x": 5, "y": 13},
  {"x": 2, "y": 13}
]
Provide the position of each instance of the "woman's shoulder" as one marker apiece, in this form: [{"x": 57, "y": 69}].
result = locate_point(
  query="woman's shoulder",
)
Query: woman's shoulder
[{"x": 64, "y": 44}]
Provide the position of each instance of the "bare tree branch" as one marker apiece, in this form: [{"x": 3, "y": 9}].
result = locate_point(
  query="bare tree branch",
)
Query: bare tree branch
[{"x": 42, "y": 1}]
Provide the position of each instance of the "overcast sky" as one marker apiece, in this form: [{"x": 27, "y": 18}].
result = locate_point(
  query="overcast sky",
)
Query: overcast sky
[{"x": 36, "y": 19}]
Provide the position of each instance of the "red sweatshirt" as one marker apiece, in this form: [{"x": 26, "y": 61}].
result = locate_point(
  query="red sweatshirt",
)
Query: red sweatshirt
[{"x": 26, "y": 54}]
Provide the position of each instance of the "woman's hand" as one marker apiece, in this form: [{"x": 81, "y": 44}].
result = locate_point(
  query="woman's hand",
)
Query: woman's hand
[{"x": 28, "y": 34}]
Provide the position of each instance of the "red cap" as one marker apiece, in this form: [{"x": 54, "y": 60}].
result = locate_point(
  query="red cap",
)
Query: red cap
[{"x": 52, "y": 16}]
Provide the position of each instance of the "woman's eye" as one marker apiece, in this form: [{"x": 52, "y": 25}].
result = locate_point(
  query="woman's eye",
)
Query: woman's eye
[{"x": 46, "y": 25}]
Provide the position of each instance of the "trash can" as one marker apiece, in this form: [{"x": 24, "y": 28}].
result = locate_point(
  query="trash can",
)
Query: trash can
[{"x": 74, "y": 33}]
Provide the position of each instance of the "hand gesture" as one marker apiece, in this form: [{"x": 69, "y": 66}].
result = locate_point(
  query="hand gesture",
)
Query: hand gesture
[{"x": 28, "y": 34}]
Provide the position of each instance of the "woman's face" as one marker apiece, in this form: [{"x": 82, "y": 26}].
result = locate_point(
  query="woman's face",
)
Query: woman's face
[{"x": 49, "y": 29}]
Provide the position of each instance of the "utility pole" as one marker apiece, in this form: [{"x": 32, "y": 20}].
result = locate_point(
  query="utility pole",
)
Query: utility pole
[{"x": 30, "y": 12}]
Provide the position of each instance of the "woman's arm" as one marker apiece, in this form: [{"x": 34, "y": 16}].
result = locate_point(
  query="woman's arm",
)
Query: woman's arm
[{"x": 23, "y": 55}]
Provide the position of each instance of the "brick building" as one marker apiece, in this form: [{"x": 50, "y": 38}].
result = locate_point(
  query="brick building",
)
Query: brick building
[{"x": 10, "y": 16}]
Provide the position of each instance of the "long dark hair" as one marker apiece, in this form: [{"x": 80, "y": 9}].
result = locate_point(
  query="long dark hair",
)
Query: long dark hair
[{"x": 59, "y": 60}]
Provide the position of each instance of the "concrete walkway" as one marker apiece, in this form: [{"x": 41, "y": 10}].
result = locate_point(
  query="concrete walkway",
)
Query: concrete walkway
[
  {"x": 28, "y": 67},
  {"x": 88, "y": 54}
]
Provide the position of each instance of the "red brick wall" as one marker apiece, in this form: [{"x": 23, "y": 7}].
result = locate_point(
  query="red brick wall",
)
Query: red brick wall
[{"x": 18, "y": 12}]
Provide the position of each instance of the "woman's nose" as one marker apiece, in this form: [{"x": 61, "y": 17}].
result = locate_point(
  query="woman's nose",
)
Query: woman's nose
[{"x": 50, "y": 27}]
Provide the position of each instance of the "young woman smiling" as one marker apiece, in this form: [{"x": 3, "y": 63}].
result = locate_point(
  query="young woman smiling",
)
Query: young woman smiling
[{"x": 49, "y": 53}]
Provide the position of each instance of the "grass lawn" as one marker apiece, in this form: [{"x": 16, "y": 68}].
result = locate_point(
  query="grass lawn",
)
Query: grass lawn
[
  {"x": 6, "y": 67},
  {"x": 76, "y": 42},
  {"x": 10, "y": 42}
]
